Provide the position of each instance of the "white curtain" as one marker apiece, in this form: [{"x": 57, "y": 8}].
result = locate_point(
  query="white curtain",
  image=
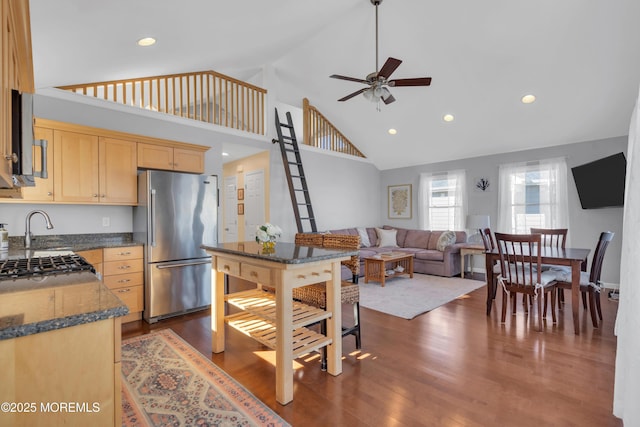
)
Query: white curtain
[
  {"x": 550, "y": 181},
  {"x": 457, "y": 200},
  {"x": 627, "y": 382}
]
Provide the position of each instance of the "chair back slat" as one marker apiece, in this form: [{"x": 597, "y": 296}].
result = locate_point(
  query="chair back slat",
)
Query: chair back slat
[
  {"x": 598, "y": 256},
  {"x": 487, "y": 239},
  {"x": 552, "y": 237}
]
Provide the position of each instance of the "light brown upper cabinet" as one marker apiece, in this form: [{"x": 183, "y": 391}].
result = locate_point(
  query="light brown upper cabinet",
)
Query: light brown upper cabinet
[
  {"x": 152, "y": 156},
  {"x": 92, "y": 169}
]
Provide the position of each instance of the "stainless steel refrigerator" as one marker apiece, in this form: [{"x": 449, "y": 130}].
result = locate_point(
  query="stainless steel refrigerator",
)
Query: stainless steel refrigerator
[{"x": 176, "y": 213}]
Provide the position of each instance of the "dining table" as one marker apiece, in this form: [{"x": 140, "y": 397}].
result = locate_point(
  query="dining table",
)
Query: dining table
[{"x": 576, "y": 258}]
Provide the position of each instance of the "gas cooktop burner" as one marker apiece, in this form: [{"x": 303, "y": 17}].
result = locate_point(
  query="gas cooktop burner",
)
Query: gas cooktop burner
[{"x": 43, "y": 266}]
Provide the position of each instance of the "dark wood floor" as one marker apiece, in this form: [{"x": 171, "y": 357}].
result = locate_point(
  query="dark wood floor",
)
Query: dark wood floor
[{"x": 453, "y": 366}]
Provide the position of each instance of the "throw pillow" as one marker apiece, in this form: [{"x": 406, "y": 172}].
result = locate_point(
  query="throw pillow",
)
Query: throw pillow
[
  {"x": 387, "y": 237},
  {"x": 364, "y": 237},
  {"x": 446, "y": 238}
]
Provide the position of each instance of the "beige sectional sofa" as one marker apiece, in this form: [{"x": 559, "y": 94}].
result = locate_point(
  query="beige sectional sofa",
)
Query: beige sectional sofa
[{"x": 423, "y": 244}]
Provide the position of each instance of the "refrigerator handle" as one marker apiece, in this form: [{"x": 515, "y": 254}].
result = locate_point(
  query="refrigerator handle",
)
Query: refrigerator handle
[
  {"x": 152, "y": 207},
  {"x": 183, "y": 264}
]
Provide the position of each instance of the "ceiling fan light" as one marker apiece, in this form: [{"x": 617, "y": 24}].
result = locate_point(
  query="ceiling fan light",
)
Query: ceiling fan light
[
  {"x": 385, "y": 93},
  {"x": 369, "y": 94}
]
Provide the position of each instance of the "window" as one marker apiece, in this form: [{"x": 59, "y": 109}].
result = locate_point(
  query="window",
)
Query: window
[
  {"x": 442, "y": 204},
  {"x": 533, "y": 194}
]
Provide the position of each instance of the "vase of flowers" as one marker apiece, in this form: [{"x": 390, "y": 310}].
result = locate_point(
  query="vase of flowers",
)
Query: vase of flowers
[{"x": 267, "y": 234}]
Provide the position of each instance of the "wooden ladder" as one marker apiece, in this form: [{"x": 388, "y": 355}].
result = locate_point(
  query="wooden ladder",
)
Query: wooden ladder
[{"x": 298, "y": 189}]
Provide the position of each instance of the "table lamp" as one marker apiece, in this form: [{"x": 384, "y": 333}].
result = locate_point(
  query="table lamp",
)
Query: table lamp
[{"x": 475, "y": 223}]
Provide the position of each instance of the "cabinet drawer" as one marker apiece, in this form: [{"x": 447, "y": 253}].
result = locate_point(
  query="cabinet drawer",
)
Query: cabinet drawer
[
  {"x": 311, "y": 275},
  {"x": 129, "y": 252},
  {"x": 228, "y": 266},
  {"x": 254, "y": 273},
  {"x": 124, "y": 280},
  {"x": 121, "y": 267},
  {"x": 131, "y": 296}
]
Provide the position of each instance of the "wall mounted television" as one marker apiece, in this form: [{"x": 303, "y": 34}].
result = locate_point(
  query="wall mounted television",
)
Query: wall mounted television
[{"x": 600, "y": 183}]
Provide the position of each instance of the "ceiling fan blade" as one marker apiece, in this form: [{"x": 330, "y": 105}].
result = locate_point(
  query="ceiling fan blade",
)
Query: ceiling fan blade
[
  {"x": 351, "y": 95},
  {"x": 388, "y": 100},
  {"x": 351, "y": 79},
  {"x": 418, "y": 81},
  {"x": 389, "y": 67}
]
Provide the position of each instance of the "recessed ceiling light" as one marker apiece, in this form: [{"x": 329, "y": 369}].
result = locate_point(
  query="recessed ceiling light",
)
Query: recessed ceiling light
[
  {"x": 528, "y": 99},
  {"x": 392, "y": 131},
  {"x": 147, "y": 41},
  {"x": 448, "y": 117},
  {"x": 225, "y": 153}
]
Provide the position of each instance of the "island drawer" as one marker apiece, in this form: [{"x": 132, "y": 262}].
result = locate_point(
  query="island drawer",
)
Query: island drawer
[{"x": 228, "y": 266}]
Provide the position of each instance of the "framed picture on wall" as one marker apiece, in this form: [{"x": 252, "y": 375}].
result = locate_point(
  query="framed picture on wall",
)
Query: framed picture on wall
[
  {"x": 399, "y": 199},
  {"x": 240, "y": 193},
  {"x": 240, "y": 208}
]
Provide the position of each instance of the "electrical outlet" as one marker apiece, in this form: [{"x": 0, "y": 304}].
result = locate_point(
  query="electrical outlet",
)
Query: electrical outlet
[{"x": 106, "y": 221}]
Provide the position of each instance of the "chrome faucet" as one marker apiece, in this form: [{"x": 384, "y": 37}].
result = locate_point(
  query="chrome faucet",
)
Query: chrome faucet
[{"x": 27, "y": 226}]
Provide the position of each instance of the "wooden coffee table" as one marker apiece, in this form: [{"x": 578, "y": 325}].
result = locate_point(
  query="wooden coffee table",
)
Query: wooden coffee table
[{"x": 375, "y": 266}]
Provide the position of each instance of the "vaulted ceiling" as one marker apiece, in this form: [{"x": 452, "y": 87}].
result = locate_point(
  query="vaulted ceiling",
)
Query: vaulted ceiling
[{"x": 579, "y": 57}]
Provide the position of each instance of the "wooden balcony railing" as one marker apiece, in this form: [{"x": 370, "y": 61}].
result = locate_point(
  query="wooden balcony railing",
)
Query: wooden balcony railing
[
  {"x": 319, "y": 132},
  {"x": 205, "y": 96}
]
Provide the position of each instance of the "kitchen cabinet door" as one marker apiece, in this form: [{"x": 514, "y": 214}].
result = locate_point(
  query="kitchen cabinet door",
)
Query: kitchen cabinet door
[
  {"x": 43, "y": 191},
  {"x": 188, "y": 160},
  {"x": 118, "y": 171},
  {"x": 75, "y": 167},
  {"x": 152, "y": 156}
]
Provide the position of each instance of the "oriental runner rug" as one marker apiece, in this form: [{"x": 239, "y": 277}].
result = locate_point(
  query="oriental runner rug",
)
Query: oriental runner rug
[
  {"x": 166, "y": 382},
  {"x": 408, "y": 298}
]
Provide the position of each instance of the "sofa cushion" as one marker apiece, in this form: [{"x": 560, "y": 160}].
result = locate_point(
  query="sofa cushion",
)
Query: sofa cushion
[
  {"x": 417, "y": 239},
  {"x": 373, "y": 236},
  {"x": 430, "y": 254},
  {"x": 447, "y": 238},
  {"x": 349, "y": 231},
  {"x": 364, "y": 237},
  {"x": 368, "y": 252},
  {"x": 400, "y": 236},
  {"x": 387, "y": 238}
]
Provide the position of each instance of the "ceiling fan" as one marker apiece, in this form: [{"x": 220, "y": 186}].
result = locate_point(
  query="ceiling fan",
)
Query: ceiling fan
[{"x": 378, "y": 81}]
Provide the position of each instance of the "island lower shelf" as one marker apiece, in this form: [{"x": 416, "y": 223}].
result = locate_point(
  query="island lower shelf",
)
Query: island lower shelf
[{"x": 257, "y": 320}]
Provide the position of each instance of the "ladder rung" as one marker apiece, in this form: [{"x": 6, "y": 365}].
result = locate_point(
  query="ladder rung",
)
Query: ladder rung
[
  {"x": 300, "y": 189},
  {"x": 289, "y": 149},
  {"x": 286, "y": 125},
  {"x": 306, "y": 219},
  {"x": 304, "y": 204}
]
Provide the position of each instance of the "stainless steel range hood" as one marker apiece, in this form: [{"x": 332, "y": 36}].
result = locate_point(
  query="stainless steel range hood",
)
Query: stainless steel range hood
[{"x": 22, "y": 143}]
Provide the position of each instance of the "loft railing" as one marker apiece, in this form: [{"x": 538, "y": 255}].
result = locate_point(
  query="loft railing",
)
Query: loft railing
[
  {"x": 319, "y": 132},
  {"x": 205, "y": 96}
]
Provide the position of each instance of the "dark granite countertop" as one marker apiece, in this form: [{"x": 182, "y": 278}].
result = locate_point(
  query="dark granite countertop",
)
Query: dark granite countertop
[
  {"x": 284, "y": 252},
  {"x": 68, "y": 242},
  {"x": 40, "y": 304}
]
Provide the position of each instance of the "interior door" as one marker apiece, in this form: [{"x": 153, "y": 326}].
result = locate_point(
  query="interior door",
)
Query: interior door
[
  {"x": 254, "y": 210},
  {"x": 230, "y": 209}
]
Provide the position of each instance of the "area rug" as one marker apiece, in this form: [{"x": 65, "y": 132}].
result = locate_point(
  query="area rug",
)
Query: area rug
[
  {"x": 166, "y": 382},
  {"x": 407, "y": 298}
]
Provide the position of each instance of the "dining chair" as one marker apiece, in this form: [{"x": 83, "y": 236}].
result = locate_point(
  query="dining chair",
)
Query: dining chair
[
  {"x": 553, "y": 238},
  {"x": 489, "y": 246},
  {"x": 590, "y": 284},
  {"x": 521, "y": 272},
  {"x": 316, "y": 294}
]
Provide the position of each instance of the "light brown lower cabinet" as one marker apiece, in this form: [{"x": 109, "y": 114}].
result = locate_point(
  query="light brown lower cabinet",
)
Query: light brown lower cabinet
[
  {"x": 122, "y": 271},
  {"x": 69, "y": 376}
]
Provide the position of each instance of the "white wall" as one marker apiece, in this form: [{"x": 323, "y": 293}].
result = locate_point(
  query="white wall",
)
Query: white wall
[
  {"x": 585, "y": 225},
  {"x": 344, "y": 191}
]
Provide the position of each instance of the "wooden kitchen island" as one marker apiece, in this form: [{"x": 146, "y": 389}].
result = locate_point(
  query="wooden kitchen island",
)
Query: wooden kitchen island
[{"x": 273, "y": 318}]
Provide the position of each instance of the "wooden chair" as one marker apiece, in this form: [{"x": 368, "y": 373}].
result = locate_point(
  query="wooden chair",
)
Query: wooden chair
[
  {"x": 316, "y": 294},
  {"x": 590, "y": 282},
  {"x": 553, "y": 238},
  {"x": 523, "y": 275},
  {"x": 489, "y": 246}
]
